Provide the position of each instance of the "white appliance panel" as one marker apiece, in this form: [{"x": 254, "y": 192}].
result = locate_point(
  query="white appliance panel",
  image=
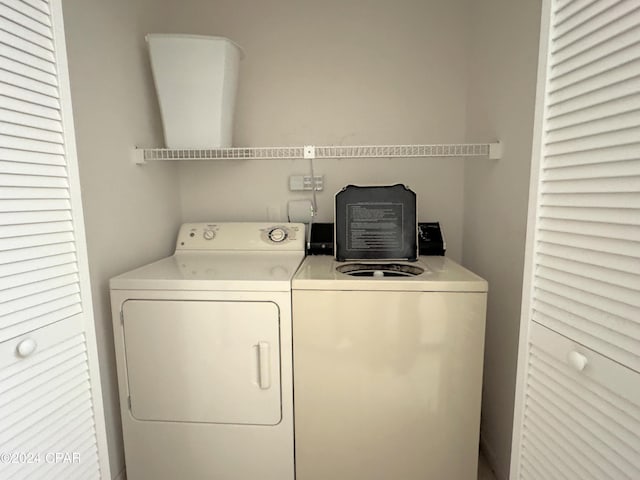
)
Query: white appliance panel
[
  {"x": 237, "y": 237},
  {"x": 318, "y": 272},
  {"x": 387, "y": 384},
  {"x": 214, "y": 271},
  {"x": 387, "y": 372},
  {"x": 203, "y": 361}
]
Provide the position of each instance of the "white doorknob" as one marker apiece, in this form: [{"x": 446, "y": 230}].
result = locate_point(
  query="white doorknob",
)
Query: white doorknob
[
  {"x": 26, "y": 347},
  {"x": 577, "y": 360}
]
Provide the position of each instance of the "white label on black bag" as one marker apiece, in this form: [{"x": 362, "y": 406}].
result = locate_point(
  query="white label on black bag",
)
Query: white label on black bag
[{"x": 374, "y": 226}]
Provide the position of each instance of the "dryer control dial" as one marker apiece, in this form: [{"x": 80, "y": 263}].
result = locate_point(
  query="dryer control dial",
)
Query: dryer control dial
[
  {"x": 278, "y": 234},
  {"x": 209, "y": 234}
]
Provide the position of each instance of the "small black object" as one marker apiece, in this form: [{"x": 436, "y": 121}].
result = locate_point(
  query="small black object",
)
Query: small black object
[
  {"x": 376, "y": 223},
  {"x": 430, "y": 239},
  {"x": 321, "y": 242}
]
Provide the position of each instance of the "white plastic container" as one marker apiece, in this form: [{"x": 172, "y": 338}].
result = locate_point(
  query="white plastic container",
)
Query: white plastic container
[{"x": 196, "y": 80}]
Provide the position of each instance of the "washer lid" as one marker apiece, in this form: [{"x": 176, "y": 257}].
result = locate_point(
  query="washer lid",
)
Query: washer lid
[
  {"x": 441, "y": 274},
  {"x": 376, "y": 223}
]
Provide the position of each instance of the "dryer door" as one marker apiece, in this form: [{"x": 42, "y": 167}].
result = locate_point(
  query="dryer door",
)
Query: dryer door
[{"x": 203, "y": 361}]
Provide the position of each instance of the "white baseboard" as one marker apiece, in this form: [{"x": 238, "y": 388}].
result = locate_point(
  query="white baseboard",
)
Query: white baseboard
[
  {"x": 122, "y": 475},
  {"x": 490, "y": 456}
]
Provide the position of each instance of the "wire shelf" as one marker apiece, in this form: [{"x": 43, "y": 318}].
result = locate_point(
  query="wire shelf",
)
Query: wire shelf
[{"x": 490, "y": 150}]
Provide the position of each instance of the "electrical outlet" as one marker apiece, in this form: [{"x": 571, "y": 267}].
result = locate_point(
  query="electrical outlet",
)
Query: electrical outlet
[
  {"x": 303, "y": 182},
  {"x": 318, "y": 180}
]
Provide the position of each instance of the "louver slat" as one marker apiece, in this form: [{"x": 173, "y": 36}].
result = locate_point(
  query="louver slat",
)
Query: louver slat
[
  {"x": 10, "y": 10},
  {"x": 602, "y": 323},
  {"x": 30, "y": 229},
  {"x": 38, "y": 287},
  {"x": 603, "y": 215},
  {"x": 588, "y": 21},
  {"x": 592, "y": 229},
  {"x": 28, "y": 96},
  {"x": 42, "y": 298},
  {"x": 590, "y": 97},
  {"x": 28, "y": 71},
  {"x": 590, "y": 257},
  {"x": 67, "y": 314},
  {"x": 30, "y": 133},
  {"x": 42, "y": 43},
  {"x": 28, "y": 193},
  {"x": 613, "y": 62},
  {"x": 28, "y": 11},
  {"x": 627, "y": 168},
  {"x": 586, "y": 200},
  {"x": 565, "y": 9},
  {"x": 40, "y": 264},
  {"x": 586, "y": 284},
  {"x": 43, "y": 251},
  {"x": 547, "y": 453},
  {"x": 595, "y": 141},
  {"x": 63, "y": 427},
  {"x": 35, "y": 180},
  {"x": 32, "y": 241},
  {"x": 597, "y": 244},
  {"x": 25, "y": 50},
  {"x": 611, "y": 123},
  {"x": 584, "y": 115},
  {"x": 17, "y": 111},
  {"x": 620, "y": 32},
  {"x": 588, "y": 299},
  {"x": 30, "y": 145},
  {"x": 30, "y": 170},
  {"x": 18, "y": 218},
  {"x": 28, "y": 120},
  {"x": 37, "y": 311},
  {"x": 30, "y": 84},
  {"x": 39, "y": 5}
]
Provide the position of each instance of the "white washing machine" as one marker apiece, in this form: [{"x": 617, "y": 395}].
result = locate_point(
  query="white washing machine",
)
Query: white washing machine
[
  {"x": 203, "y": 350},
  {"x": 387, "y": 369}
]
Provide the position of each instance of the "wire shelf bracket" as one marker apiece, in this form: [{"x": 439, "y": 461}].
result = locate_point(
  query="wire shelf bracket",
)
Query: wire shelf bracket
[{"x": 142, "y": 156}]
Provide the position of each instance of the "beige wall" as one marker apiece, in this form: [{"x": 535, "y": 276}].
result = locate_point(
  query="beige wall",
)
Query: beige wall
[
  {"x": 343, "y": 73},
  {"x": 503, "y": 38},
  {"x": 131, "y": 213}
]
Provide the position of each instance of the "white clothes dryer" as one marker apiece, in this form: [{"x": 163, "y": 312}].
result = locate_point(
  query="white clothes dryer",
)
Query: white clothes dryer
[
  {"x": 203, "y": 350},
  {"x": 387, "y": 369}
]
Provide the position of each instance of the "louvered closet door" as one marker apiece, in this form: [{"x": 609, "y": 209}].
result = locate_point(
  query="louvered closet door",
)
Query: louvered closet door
[
  {"x": 580, "y": 377},
  {"x": 39, "y": 281},
  {"x": 587, "y": 283},
  {"x": 49, "y": 385}
]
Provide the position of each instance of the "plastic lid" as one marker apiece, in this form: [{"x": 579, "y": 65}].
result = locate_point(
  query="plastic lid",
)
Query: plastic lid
[
  {"x": 376, "y": 223},
  {"x": 195, "y": 37}
]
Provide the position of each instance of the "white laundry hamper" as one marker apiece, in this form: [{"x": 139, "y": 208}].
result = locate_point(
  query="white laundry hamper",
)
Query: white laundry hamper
[{"x": 196, "y": 79}]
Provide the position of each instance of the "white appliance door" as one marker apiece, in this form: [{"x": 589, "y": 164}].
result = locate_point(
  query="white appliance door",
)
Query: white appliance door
[{"x": 203, "y": 361}]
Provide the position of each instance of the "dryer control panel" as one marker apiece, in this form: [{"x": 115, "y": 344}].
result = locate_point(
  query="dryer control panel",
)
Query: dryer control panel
[{"x": 241, "y": 236}]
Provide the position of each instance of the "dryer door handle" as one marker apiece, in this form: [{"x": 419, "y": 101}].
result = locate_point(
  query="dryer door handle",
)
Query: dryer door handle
[{"x": 264, "y": 363}]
